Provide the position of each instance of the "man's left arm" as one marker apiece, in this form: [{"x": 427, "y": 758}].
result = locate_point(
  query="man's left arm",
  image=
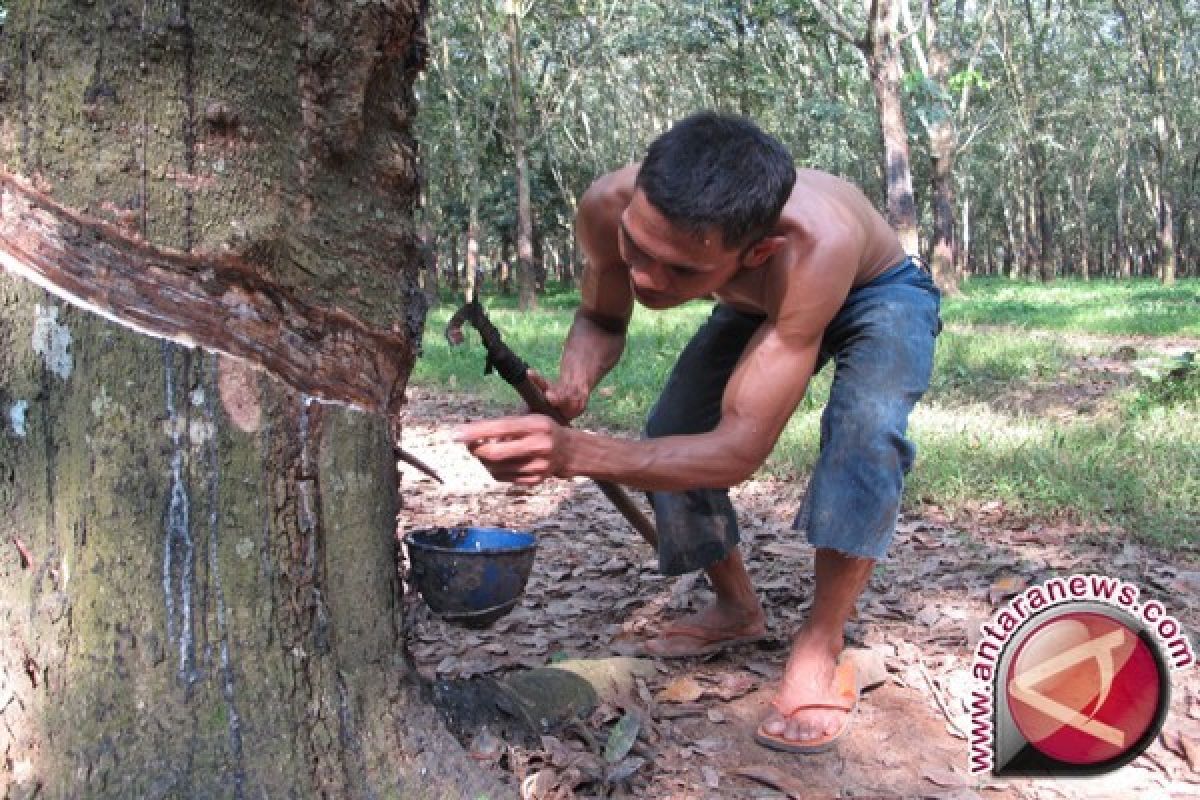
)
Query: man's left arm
[{"x": 763, "y": 392}]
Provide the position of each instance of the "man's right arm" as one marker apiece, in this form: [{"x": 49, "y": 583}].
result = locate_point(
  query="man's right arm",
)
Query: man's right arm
[{"x": 597, "y": 337}]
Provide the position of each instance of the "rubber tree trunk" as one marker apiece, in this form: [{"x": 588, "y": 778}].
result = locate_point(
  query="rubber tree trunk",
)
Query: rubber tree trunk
[
  {"x": 942, "y": 131},
  {"x": 942, "y": 143},
  {"x": 1165, "y": 216},
  {"x": 198, "y": 586},
  {"x": 1044, "y": 231},
  {"x": 883, "y": 63},
  {"x": 526, "y": 277}
]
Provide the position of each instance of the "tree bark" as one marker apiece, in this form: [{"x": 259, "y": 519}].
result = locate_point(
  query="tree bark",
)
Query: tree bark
[
  {"x": 881, "y": 54},
  {"x": 1165, "y": 216},
  {"x": 526, "y": 278},
  {"x": 883, "y": 64},
  {"x": 1122, "y": 255},
  {"x": 941, "y": 143},
  {"x": 198, "y": 580}
]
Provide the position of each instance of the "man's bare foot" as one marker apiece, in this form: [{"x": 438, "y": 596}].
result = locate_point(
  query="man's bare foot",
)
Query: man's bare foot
[
  {"x": 720, "y": 625},
  {"x": 812, "y": 679}
]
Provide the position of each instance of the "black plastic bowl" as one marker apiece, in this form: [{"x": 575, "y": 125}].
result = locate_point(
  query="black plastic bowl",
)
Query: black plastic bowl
[{"x": 470, "y": 576}]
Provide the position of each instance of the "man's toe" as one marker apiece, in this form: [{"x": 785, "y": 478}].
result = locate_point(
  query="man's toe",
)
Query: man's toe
[
  {"x": 775, "y": 724},
  {"x": 799, "y": 732}
]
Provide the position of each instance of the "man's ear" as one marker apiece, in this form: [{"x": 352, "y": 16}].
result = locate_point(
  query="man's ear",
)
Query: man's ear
[{"x": 758, "y": 253}]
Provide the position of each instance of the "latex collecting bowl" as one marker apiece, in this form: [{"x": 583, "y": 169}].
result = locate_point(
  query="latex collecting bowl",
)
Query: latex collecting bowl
[{"x": 470, "y": 576}]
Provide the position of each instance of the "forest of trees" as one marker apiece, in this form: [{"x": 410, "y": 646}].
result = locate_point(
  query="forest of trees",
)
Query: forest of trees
[{"x": 1027, "y": 138}]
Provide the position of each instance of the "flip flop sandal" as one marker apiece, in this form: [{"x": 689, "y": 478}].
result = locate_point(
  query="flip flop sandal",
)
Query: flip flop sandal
[
  {"x": 845, "y": 686},
  {"x": 711, "y": 642}
]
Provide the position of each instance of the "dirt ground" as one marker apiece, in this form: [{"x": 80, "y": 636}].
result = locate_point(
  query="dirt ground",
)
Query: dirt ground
[{"x": 687, "y": 730}]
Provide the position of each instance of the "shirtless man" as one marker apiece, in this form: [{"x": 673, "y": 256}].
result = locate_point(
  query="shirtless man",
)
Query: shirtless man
[{"x": 804, "y": 270}]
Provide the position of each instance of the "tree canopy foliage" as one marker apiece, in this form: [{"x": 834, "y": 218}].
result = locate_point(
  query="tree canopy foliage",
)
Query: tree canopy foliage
[{"x": 1063, "y": 131}]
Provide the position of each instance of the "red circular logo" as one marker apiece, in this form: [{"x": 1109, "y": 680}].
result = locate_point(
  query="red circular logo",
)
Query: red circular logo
[{"x": 1084, "y": 688}]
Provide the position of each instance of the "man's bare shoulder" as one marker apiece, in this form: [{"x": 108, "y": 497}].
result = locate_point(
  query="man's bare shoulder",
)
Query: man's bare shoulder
[
  {"x": 834, "y": 214},
  {"x": 608, "y": 196}
]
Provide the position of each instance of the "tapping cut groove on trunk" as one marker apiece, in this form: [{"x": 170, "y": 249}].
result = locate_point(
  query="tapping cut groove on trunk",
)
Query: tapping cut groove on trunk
[{"x": 215, "y": 301}]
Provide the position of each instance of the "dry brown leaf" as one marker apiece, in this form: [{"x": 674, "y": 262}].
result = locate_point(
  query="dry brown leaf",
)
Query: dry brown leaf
[
  {"x": 733, "y": 685},
  {"x": 624, "y": 770},
  {"x": 711, "y": 744},
  {"x": 1005, "y": 587},
  {"x": 715, "y": 716},
  {"x": 928, "y": 616},
  {"x": 775, "y": 778},
  {"x": 712, "y": 778},
  {"x": 923, "y": 541},
  {"x": 947, "y": 778},
  {"x": 682, "y": 690},
  {"x": 1171, "y": 739},
  {"x": 486, "y": 746},
  {"x": 871, "y": 666},
  {"x": 680, "y": 710},
  {"x": 540, "y": 784},
  {"x": 1191, "y": 751}
]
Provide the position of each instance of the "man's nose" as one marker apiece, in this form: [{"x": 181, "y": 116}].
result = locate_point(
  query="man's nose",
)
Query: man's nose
[{"x": 650, "y": 275}]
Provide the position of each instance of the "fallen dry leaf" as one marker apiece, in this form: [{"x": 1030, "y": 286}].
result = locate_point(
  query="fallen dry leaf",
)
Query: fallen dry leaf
[
  {"x": 681, "y": 690},
  {"x": 486, "y": 746},
  {"x": 680, "y": 710},
  {"x": 1191, "y": 751},
  {"x": 712, "y": 778},
  {"x": 946, "y": 778},
  {"x": 1172, "y": 740},
  {"x": 733, "y": 685},
  {"x": 870, "y": 665},
  {"x": 623, "y": 771},
  {"x": 1005, "y": 587},
  {"x": 775, "y": 778},
  {"x": 540, "y": 784}
]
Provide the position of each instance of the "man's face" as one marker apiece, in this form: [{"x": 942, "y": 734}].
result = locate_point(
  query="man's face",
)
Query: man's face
[{"x": 668, "y": 266}]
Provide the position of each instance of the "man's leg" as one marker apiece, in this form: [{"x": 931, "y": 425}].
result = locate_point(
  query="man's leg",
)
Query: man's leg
[
  {"x": 698, "y": 529},
  {"x": 815, "y": 650},
  {"x": 735, "y": 613},
  {"x": 882, "y": 342}
]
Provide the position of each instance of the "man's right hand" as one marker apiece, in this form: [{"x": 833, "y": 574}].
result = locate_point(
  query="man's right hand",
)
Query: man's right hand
[{"x": 570, "y": 399}]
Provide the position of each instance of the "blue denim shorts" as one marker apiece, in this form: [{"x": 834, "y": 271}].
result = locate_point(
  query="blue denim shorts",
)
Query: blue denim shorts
[{"x": 881, "y": 343}]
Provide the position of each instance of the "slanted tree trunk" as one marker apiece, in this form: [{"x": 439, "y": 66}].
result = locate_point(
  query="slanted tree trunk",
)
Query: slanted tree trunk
[{"x": 198, "y": 586}]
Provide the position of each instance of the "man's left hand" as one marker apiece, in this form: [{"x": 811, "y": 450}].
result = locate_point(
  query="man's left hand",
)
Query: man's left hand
[{"x": 523, "y": 450}]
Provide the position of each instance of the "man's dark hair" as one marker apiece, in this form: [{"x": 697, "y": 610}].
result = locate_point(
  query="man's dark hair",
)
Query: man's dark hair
[{"x": 718, "y": 171}]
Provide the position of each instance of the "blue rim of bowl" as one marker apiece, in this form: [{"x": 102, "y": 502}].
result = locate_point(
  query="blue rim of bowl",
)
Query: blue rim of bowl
[{"x": 408, "y": 540}]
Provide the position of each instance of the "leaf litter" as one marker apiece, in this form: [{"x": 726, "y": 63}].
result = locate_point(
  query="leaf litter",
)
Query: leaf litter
[{"x": 686, "y": 731}]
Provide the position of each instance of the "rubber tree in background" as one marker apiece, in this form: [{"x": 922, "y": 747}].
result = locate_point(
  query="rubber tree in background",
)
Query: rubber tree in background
[
  {"x": 881, "y": 53},
  {"x": 942, "y": 111}
]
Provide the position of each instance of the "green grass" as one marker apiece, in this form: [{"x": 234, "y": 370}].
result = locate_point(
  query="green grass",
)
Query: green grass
[
  {"x": 1101, "y": 306},
  {"x": 1134, "y": 464}
]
